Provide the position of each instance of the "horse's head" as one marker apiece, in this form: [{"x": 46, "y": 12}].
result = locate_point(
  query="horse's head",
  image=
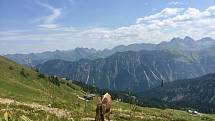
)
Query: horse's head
[{"x": 100, "y": 112}]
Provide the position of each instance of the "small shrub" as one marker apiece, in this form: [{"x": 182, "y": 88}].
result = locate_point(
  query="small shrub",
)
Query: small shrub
[
  {"x": 67, "y": 79},
  {"x": 22, "y": 72},
  {"x": 54, "y": 80},
  {"x": 11, "y": 68},
  {"x": 37, "y": 70},
  {"x": 40, "y": 75}
]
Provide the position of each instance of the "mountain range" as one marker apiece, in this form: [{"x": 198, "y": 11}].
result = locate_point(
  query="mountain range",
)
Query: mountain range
[
  {"x": 185, "y": 44},
  {"x": 134, "y": 67},
  {"x": 134, "y": 71}
]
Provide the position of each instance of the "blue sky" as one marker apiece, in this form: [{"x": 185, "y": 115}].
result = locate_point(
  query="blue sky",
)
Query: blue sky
[{"x": 42, "y": 25}]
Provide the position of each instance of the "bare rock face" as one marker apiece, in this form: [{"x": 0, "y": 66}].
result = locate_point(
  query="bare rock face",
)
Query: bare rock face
[{"x": 135, "y": 71}]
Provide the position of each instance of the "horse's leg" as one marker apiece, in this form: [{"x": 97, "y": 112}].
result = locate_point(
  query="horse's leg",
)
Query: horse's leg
[
  {"x": 108, "y": 116},
  {"x": 103, "y": 118}
]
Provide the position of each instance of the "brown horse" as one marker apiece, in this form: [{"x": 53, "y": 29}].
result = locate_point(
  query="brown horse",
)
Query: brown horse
[{"x": 103, "y": 107}]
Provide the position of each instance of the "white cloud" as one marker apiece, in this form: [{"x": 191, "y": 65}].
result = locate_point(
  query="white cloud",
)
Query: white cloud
[
  {"x": 162, "y": 26},
  {"x": 175, "y": 3},
  {"x": 183, "y": 22},
  {"x": 165, "y": 13},
  {"x": 49, "y": 26},
  {"x": 48, "y": 21}
]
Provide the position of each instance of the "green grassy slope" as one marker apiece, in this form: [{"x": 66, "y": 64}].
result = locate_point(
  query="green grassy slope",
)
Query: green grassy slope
[{"x": 33, "y": 94}]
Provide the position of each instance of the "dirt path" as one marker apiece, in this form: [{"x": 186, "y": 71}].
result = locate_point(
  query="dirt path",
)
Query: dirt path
[{"x": 56, "y": 111}]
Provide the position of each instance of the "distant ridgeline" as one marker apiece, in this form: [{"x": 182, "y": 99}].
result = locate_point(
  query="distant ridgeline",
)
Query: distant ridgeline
[
  {"x": 186, "y": 44},
  {"x": 135, "y": 67}
]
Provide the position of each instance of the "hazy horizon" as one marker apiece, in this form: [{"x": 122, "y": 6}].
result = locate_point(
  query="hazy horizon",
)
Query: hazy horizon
[{"x": 100, "y": 49}]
